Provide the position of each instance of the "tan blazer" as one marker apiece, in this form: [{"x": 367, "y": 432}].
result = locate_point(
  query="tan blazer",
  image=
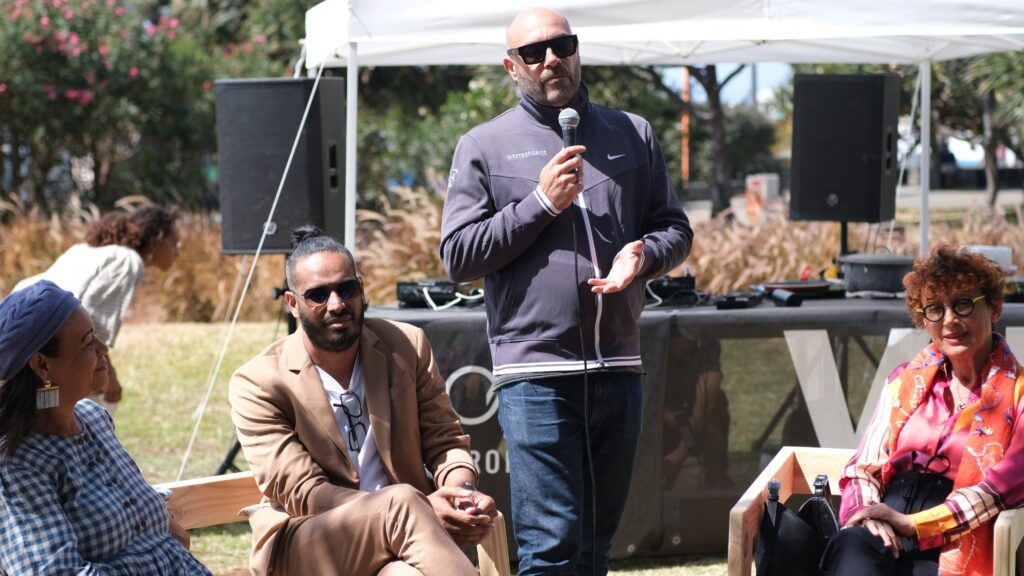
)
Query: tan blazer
[{"x": 297, "y": 453}]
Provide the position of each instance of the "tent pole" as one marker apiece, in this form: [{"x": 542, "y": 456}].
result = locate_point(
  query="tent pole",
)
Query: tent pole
[
  {"x": 925, "y": 70},
  {"x": 351, "y": 117}
]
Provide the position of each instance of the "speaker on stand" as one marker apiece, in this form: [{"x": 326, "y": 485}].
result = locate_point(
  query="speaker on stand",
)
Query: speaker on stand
[
  {"x": 257, "y": 121},
  {"x": 844, "y": 168},
  {"x": 845, "y": 159}
]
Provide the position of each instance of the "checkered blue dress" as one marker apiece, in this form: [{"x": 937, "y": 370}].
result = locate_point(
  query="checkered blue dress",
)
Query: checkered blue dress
[{"x": 79, "y": 505}]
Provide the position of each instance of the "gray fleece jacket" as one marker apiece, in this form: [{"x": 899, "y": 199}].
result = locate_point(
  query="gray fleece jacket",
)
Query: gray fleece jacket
[{"x": 495, "y": 226}]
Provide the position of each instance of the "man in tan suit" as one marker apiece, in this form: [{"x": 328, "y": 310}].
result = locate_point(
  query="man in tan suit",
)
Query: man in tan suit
[{"x": 340, "y": 422}]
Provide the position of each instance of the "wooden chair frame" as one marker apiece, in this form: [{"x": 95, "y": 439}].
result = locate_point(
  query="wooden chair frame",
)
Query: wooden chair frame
[
  {"x": 795, "y": 468},
  {"x": 215, "y": 500}
]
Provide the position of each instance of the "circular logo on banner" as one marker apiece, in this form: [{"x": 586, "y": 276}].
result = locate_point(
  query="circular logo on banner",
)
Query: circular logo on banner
[{"x": 489, "y": 398}]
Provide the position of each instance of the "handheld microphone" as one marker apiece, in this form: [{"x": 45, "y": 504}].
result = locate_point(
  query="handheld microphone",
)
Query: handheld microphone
[{"x": 568, "y": 119}]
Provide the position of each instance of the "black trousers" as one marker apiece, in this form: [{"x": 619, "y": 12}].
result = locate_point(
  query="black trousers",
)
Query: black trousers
[{"x": 857, "y": 552}]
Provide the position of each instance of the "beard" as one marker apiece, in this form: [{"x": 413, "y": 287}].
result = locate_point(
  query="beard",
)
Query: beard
[
  {"x": 321, "y": 336},
  {"x": 555, "y": 95}
]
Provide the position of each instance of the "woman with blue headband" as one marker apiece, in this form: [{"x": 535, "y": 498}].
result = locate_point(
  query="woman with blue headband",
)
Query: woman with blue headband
[{"x": 71, "y": 499}]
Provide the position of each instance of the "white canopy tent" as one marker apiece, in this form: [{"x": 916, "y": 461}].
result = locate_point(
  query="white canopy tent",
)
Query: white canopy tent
[{"x": 353, "y": 33}]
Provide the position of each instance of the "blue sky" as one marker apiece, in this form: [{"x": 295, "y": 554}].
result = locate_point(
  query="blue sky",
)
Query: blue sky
[{"x": 769, "y": 76}]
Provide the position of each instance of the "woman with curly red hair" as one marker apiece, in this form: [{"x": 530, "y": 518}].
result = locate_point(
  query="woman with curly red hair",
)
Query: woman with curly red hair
[
  {"x": 943, "y": 454},
  {"x": 105, "y": 271}
]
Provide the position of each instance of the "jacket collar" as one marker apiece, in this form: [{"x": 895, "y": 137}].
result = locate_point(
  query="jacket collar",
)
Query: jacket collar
[
  {"x": 310, "y": 396},
  {"x": 548, "y": 115},
  {"x": 377, "y": 378}
]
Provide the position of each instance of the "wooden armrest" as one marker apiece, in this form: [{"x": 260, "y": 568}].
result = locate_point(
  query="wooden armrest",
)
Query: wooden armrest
[
  {"x": 795, "y": 468},
  {"x": 1009, "y": 531},
  {"x": 492, "y": 553},
  {"x": 211, "y": 500},
  {"x": 217, "y": 500}
]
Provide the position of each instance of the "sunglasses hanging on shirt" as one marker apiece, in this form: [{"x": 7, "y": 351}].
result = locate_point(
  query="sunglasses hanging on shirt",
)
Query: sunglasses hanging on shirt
[{"x": 352, "y": 405}]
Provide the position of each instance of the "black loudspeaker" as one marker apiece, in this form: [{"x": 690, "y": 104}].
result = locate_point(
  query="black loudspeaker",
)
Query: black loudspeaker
[
  {"x": 844, "y": 165},
  {"x": 257, "y": 120}
]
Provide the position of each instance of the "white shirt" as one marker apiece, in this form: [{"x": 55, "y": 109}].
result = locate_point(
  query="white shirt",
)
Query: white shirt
[
  {"x": 104, "y": 278},
  {"x": 367, "y": 460}
]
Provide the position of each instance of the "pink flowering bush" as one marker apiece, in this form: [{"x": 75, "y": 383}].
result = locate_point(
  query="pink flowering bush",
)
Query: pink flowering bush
[{"x": 93, "y": 92}]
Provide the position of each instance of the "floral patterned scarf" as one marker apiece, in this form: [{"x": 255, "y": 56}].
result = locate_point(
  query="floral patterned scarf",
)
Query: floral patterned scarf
[{"x": 990, "y": 421}]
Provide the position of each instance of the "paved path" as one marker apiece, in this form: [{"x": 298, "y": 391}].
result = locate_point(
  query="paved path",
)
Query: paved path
[{"x": 909, "y": 198}]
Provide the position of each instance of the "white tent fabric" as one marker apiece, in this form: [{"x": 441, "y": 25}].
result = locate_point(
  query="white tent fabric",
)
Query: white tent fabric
[
  {"x": 352, "y": 33},
  {"x": 403, "y": 32}
]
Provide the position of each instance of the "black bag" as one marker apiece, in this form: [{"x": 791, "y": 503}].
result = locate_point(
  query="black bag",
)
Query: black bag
[
  {"x": 791, "y": 544},
  {"x": 913, "y": 491}
]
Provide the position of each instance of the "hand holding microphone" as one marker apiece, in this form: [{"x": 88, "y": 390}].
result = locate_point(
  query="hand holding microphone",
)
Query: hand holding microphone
[{"x": 561, "y": 180}]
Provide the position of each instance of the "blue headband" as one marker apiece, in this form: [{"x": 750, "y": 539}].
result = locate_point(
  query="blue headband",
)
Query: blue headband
[{"x": 28, "y": 320}]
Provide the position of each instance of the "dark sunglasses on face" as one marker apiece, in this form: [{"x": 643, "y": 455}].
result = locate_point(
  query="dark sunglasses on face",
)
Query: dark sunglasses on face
[
  {"x": 535, "y": 53},
  {"x": 319, "y": 295}
]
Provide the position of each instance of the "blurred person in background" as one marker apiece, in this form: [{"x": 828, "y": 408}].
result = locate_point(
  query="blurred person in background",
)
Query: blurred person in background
[
  {"x": 72, "y": 501},
  {"x": 695, "y": 414},
  {"x": 105, "y": 271}
]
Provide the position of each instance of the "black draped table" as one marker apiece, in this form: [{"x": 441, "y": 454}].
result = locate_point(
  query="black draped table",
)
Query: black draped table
[{"x": 724, "y": 390}]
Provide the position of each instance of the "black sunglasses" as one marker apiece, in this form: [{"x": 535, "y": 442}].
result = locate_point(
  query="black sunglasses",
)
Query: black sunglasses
[
  {"x": 563, "y": 47},
  {"x": 319, "y": 295},
  {"x": 352, "y": 405},
  {"x": 937, "y": 311}
]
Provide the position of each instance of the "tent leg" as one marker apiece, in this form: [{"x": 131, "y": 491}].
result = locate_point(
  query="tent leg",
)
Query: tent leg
[
  {"x": 925, "y": 70},
  {"x": 351, "y": 118}
]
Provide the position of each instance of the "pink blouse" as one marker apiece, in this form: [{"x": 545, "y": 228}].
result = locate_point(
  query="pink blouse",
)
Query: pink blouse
[{"x": 927, "y": 442}]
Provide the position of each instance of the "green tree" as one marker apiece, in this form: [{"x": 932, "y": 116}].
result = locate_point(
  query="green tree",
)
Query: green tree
[
  {"x": 709, "y": 129},
  {"x": 99, "y": 102},
  {"x": 749, "y": 137},
  {"x": 982, "y": 102}
]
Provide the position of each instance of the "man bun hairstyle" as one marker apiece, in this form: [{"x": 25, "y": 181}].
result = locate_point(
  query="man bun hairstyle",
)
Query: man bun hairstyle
[
  {"x": 306, "y": 241},
  {"x": 304, "y": 232}
]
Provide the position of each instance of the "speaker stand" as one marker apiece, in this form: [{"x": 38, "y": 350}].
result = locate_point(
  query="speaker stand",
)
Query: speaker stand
[{"x": 227, "y": 464}]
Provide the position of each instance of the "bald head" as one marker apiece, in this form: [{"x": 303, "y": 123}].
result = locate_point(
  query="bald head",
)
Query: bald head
[
  {"x": 554, "y": 81},
  {"x": 535, "y": 24}
]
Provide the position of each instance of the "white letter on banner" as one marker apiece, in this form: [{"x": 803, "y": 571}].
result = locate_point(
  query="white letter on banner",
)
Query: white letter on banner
[
  {"x": 490, "y": 398},
  {"x": 816, "y": 371}
]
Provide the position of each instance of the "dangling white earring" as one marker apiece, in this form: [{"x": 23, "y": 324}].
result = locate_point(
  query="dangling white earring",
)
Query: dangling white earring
[{"x": 47, "y": 395}]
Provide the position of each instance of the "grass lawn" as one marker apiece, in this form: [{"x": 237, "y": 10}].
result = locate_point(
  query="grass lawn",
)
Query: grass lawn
[{"x": 165, "y": 370}]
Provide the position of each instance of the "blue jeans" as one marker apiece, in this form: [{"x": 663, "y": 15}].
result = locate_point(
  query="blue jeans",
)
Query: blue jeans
[{"x": 544, "y": 421}]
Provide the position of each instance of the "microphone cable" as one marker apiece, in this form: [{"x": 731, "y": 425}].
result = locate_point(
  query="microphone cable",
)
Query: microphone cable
[
  {"x": 569, "y": 121},
  {"x": 586, "y": 391}
]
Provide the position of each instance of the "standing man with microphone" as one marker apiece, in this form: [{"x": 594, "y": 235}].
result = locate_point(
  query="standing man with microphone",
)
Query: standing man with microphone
[{"x": 564, "y": 231}]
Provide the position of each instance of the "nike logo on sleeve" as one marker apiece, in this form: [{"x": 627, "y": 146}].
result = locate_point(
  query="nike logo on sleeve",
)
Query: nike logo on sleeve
[{"x": 615, "y": 157}]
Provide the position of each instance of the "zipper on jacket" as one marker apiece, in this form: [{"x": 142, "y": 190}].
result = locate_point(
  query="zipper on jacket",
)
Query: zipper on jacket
[{"x": 582, "y": 203}]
